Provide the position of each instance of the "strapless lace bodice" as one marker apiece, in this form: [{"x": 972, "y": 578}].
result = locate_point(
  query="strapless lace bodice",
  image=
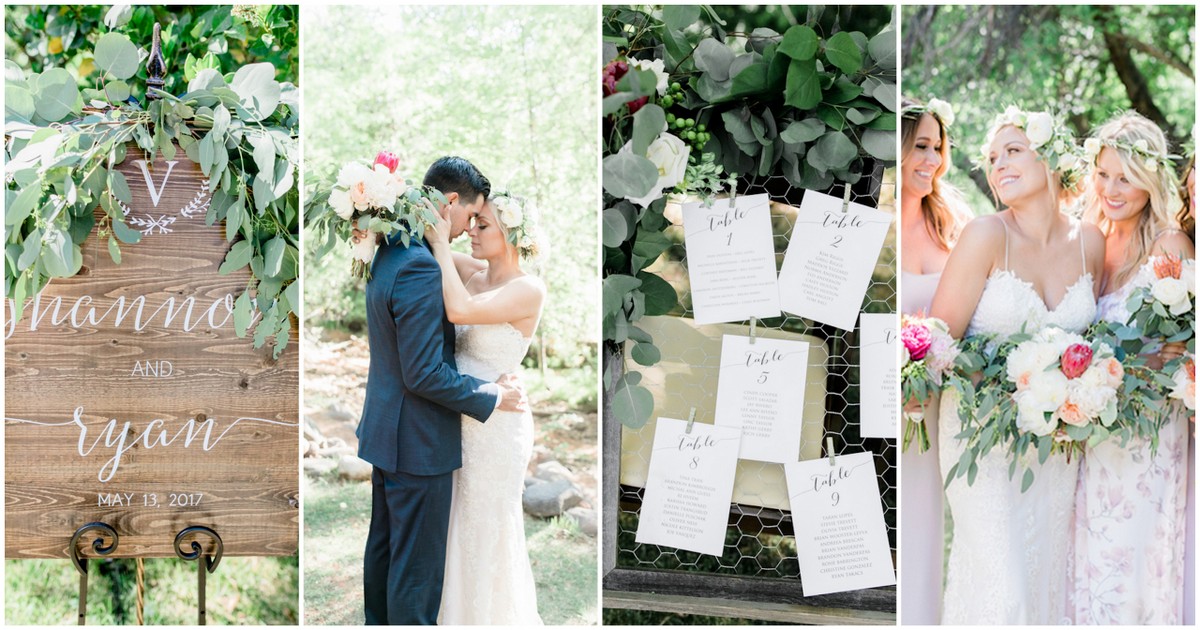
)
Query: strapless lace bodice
[
  {"x": 487, "y": 351},
  {"x": 1008, "y": 303}
]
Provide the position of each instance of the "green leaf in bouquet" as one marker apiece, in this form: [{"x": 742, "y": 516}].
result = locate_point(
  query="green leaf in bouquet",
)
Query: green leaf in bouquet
[
  {"x": 1027, "y": 480},
  {"x": 1045, "y": 446},
  {"x": 238, "y": 257},
  {"x": 616, "y": 228},
  {"x": 660, "y": 295},
  {"x": 971, "y": 473},
  {"x": 628, "y": 175},
  {"x": 114, "y": 250},
  {"x": 1159, "y": 309},
  {"x": 951, "y": 475},
  {"x": 648, "y": 123}
]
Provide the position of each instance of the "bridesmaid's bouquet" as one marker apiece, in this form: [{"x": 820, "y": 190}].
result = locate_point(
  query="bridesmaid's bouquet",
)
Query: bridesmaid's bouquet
[
  {"x": 1160, "y": 305},
  {"x": 929, "y": 356},
  {"x": 375, "y": 198},
  {"x": 1184, "y": 388}
]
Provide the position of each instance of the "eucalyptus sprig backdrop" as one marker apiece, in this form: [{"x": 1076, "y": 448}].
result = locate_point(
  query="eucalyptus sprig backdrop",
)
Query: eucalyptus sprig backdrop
[
  {"x": 75, "y": 96},
  {"x": 814, "y": 103}
]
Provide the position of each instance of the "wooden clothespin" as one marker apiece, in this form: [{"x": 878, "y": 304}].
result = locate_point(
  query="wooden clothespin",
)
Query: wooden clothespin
[
  {"x": 753, "y": 325},
  {"x": 829, "y": 450},
  {"x": 846, "y": 199},
  {"x": 691, "y": 420}
]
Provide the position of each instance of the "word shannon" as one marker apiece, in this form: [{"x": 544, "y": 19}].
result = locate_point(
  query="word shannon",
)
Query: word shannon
[{"x": 134, "y": 313}]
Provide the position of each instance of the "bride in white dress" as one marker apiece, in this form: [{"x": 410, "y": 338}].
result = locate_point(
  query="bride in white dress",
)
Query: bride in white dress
[
  {"x": 1028, "y": 266},
  {"x": 495, "y": 307}
]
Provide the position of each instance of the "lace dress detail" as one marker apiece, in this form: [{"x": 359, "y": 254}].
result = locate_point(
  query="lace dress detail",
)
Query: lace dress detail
[
  {"x": 1128, "y": 560},
  {"x": 488, "y": 576},
  {"x": 1009, "y": 550}
]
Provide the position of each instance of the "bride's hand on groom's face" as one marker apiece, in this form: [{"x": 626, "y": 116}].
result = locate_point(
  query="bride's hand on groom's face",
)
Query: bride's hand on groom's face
[
  {"x": 512, "y": 394},
  {"x": 439, "y": 230}
]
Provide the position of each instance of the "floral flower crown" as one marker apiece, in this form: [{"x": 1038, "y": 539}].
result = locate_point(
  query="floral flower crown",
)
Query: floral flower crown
[
  {"x": 936, "y": 107},
  {"x": 516, "y": 215},
  {"x": 1048, "y": 135},
  {"x": 1150, "y": 159}
]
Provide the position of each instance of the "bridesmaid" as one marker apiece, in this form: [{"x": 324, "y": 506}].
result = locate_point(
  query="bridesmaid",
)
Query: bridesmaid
[
  {"x": 931, "y": 215},
  {"x": 1130, "y": 502}
]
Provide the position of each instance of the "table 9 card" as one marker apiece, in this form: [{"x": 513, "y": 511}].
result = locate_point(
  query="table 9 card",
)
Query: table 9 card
[
  {"x": 731, "y": 260},
  {"x": 689, "y": 486},
  {"x": 830, "y": 258},
  {"x": 879, "y": 380},
  {"x": 761, "y": 391},
  {"x": 841, "y": 537}
]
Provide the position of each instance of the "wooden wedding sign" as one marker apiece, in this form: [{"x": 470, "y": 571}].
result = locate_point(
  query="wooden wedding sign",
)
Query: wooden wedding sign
[{"x": 131, "y": 400}]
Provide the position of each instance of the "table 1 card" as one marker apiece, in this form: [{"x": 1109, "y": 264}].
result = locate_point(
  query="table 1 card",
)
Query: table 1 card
[
  {"x": 689, "y": 486},
  {"x": 761, "y": 391},
  {"x": 731, "y": 260},
  {"x": 830, "y": 258},
  {"x": 841, "y": 538},
  {"x": 877, "y": 374}
]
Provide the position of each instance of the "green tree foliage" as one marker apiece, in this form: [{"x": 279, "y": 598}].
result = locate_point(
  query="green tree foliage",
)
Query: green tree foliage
[
  {"x": 513, "y": 89},
  {"x": 1088, "y": 62},
  {"x": 193, "y": 38}
]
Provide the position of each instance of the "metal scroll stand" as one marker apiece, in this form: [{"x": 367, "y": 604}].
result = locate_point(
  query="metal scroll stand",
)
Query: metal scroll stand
[
  {"x": 81, "y": 564},
  {"x": 205, "y": 564}
]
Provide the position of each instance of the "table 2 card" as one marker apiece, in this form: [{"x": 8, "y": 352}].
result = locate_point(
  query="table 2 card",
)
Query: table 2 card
[
  {"x": 830, "y": 258},
  {"x": 841, "y": 538},
  {"x": 688, "y": 486},
  {"x": 731, "y": 259},
  {"x": 877, "y": 374},
  {"x": 761, "y": 391}
]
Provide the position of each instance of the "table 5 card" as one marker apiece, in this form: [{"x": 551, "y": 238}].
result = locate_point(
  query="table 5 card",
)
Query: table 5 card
[
  {"x": 830, "y": 258},
  {"x": 878, "y": 379},
  {"x": 841, "y": 537},
  {"x": 731, "y": 260},
  {"x": 760, "y": 390},
  {"x": 688, "y": 486}
]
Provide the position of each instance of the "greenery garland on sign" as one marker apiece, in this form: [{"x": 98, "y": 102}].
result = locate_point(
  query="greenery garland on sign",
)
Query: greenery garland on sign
[
  {"x": 679, "y": 88},
  {"x": 62, "y": 145}
]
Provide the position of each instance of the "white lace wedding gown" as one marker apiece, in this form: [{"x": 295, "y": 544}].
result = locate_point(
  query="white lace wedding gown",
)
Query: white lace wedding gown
[
  {"x": 1128, "y": 565},
  {"x": 488, "y": 578},
  {"x": 1008, "y": 553}
]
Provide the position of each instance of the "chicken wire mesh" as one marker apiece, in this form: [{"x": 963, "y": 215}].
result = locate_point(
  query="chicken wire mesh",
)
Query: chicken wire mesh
[{"x": 759, "y": 541}]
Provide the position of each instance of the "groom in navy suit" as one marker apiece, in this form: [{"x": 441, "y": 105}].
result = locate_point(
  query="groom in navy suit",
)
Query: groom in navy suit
[{"x": 411, "y": 423}]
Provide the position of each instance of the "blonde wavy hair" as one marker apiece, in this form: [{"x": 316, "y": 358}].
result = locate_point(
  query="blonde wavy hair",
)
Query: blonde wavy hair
[
  {"x": 943, "y": 209},
  {"x": 1186, "y": 221},
  {"x": 1060, "y": 196},
  {"x": 1160, "y": 183}
]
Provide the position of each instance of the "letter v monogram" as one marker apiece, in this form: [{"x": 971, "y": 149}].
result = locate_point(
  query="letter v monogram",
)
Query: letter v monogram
[{"x": 155, "y": 195}]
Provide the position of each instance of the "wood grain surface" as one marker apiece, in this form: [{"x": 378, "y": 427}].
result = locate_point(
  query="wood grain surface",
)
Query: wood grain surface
[{"x": 244, "y": 477}]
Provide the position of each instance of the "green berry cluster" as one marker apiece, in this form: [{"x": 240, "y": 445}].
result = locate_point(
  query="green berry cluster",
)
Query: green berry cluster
[{"x": 696, "y": 135}]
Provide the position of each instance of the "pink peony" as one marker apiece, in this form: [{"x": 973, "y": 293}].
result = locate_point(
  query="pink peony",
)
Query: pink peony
[
  {"x": 1070, "y": 413},
  {"x": 1114, "y": 371},
  {"x": 1076, "y": 359},
  {"x": 388, "y": 159},
  {"x": 916, "y": 340}
]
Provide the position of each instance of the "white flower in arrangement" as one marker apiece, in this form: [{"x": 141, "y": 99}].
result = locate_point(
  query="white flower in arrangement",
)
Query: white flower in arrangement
[
  {"x": 381, "y": 188},
  {"x": 1141, "y": 145},
  {"x": 1067, "y": 161},
  {"x": 1091, "y": 147},
  {"x": 526, "y": 241},
  {"x": 1185, "y": 383},
  {"x": 339, "y": 200},
  {"x": 669, "y": 155},
  {"x": 1059, "y": 146},
  {"x": 1033, "y": 405},
  {"x": 943, "y": 110},
  {"x": 510, "y": 212},
  {"x": 1173, "y": 293},
  {"x": 657, "y": 67},
  {"x": 1151, "y": 164},
  {"x": 1039, "y": 129}
]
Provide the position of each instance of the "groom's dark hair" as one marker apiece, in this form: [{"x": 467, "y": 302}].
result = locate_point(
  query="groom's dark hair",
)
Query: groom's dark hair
[{"x": 454, "y": 174}]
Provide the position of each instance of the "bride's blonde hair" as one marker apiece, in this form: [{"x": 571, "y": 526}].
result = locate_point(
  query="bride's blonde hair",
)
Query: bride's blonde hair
[{"x": 1144, "y": 171}]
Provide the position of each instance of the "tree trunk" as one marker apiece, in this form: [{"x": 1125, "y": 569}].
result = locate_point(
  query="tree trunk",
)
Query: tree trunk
[{"x": 1127, "y": 71}]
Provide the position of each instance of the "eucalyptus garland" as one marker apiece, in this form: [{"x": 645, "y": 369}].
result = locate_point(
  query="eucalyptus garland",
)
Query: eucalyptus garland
[
  {"x": 62, "y": 145},
  {"x": 815, "y": 109}
]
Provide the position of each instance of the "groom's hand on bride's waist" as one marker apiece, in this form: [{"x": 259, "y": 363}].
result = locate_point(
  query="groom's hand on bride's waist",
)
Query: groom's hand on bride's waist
[{"x": 512, "y": 394}]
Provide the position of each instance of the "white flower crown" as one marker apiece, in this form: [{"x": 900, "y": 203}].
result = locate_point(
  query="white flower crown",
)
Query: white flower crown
[
  {"x": 1048, "y": 136},
  {"x": 515, "y": 214},
  {"x": 1150, "y": 159}
]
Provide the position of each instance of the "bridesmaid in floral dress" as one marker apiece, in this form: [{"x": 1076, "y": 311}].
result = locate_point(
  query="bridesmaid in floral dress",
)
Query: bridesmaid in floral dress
[
  {"x": 931, "y": 215},
  {"x": 1130, "y": 504}
]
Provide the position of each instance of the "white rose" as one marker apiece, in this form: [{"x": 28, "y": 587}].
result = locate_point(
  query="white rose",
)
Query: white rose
[
  {"x": 1172, "y": 292},
  {"x": 512, "y": 215},
  {"x": 1031, "y": 419},
  {"x": 1151, "y": 165},
  {"x": 381, "y": 188},
  {"x": 364, "y": 249},
  {"x": 1039, "y": 129},
  {"x": 1067, "y": 161},
  {"x": 1059, "y": 147},
  {"x": 339, "y": 200},
  {"x": 1185, "y": 388},
  {"x": 352, "y": 173},
  {"x": 1141, "y": 145},
  {"x": 943, "y": 110},
  {"x": 657, "y": 67},
  {"x": 1092, "y": 146},
  {"x": 669, "y": 155},
  {"x": 1187, "y": 275}
]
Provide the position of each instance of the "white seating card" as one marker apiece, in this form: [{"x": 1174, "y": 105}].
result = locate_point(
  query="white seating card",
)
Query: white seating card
[
  {"x": 830, "y": 258},
  {"x": 878, "y": 379},
  {"x": 731, "y": 260},
  {"x": 841, "y": 538},
  {"x": 689, "y": 486},
  {"x": 761, "y": 390}
]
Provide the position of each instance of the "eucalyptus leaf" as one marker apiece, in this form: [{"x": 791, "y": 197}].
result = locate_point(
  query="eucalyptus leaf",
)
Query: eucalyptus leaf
[
  {"x": 22, "y": 206},
  {"x": 803, "y": 89},
  {"x": 882, "y": 48},
  {"x": 842, "y": 51},
  {"x": 627, "y": 175},
  {"x": 125, "y": 233},
  {"x": 615, "y": 229},
  {"x": 273, "y": 259},
  {"x": 57, "y": 95},
  {"x": 801, "y": 131},
  {"x": 660, "y": 295},
  {"x": 119, "y": 187},
  {"x": 648, "y": 123},
  {"x": 879, "y": 144},
  {"x": 799, "y": 42},
  {"x": 18, "y": 103},
  {"x": 632, "y": 405},
  {"x": 678, "y": 17},
  {"x": 238, "y": 257},
  {"x": 117, "y": 55},
  {"x": 714, "y": 58},
  {"x": 257, "y": 90}
]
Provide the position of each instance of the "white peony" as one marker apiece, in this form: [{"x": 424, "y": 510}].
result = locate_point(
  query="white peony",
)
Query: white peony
[
  {"x": 1185, "y": 387},
  {"x": 1030, "y": 359},
  {"x": 1032, "y": 419},
  {"x": 669, "y": 155},
  {"x": 511, "y": 213},
  {"x": 1187, "y": 275},
  {"x": 657, "y": 67},
  {"x": 1173, "y": 293},
  {"x": 352, "y": 173},
  {"x": 1039, "y": 129},
  {"x": 381, "y": 188},
  {"x": 943, "y": 110},
  {"x": 339, "y": 200},
  {"x": 1067, "y": 161},
  {"x": 1092, "y": 147}
]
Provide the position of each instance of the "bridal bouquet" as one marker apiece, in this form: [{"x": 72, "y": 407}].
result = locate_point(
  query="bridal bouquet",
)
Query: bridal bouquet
[
  {"x": 929, "y": 356},
  {"x": 375, "y": 198},
  {"x": 1160, "y": 305}
]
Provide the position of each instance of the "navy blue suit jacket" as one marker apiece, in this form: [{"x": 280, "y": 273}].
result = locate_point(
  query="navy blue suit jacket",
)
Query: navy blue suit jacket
[{"x": 411, "y": 421}]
